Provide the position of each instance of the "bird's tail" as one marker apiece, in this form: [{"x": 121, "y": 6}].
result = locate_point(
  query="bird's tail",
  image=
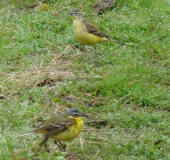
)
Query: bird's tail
[
  {"x": 122, "y": 43},
  {"x": 25, "y": 134}
]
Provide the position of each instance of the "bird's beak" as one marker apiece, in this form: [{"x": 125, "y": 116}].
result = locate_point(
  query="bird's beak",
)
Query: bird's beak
[{"x": 84, "y": 115}]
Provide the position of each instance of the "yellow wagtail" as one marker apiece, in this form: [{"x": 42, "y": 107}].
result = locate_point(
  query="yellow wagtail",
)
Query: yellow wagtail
[
  {"x": 61, "y": 127},
  {"x": 102, "y": 5},
  {"x": 85, "y": 32}
]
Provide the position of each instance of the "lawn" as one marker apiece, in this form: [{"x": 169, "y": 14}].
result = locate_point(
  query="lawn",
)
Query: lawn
[{"x": 125, "y": 89}]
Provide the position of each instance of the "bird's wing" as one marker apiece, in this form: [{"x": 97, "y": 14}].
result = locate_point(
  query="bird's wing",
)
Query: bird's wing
[
  {"x": 93, "y": 30},
  {"x": 58, "y": 126},
  {"x": 54, "y": 124}
]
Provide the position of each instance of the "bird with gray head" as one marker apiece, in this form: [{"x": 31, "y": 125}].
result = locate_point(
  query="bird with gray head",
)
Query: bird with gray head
[{"x": 61, "y": 127}]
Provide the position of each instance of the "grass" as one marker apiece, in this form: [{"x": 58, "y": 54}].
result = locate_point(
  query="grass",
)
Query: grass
[{"x": 42, "y": 71}]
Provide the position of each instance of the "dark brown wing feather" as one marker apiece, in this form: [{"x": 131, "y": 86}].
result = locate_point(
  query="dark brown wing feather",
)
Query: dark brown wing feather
[
  {"x": 58, "y": 127},
  {"x": 91, "y": 29}
]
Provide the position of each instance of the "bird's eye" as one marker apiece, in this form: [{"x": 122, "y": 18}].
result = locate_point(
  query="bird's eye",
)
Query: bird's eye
[{"x": 77, "y": 13}]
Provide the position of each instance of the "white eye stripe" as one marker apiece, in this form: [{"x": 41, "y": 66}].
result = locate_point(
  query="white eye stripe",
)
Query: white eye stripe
[{"x": 75, "y": 113}]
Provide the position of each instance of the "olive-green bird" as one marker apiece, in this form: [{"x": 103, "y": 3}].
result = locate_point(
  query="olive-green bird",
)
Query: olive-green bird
[
  {"x": 61, "y": 127},
  {"x": 85, "y": 32}
]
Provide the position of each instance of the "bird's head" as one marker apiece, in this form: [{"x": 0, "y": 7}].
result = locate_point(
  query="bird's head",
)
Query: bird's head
[
  {"x": 74, "y": 112},
  {"x": 75, "y": 13}
]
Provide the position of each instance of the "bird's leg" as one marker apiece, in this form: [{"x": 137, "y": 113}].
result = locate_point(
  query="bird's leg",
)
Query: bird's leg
[
  {"x": 44, "y": 145},
  {"x": 94, "y": 49},
  {"x": 83, "y": 47},
  {"x": 60, "y": 145},
  {"x": 45, "y": 139}
]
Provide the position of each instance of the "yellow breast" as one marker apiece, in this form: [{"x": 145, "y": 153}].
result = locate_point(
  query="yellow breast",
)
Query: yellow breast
[
  {"x": 82, "y": 35},
  {"x": 72, "y": 132}
]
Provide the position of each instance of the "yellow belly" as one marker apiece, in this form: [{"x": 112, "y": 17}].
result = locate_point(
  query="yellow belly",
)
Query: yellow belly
[
  {"x": 70, "y": 133},
  {"x": 83, "y": 36},
  {"x": 89, "y": 39}
]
